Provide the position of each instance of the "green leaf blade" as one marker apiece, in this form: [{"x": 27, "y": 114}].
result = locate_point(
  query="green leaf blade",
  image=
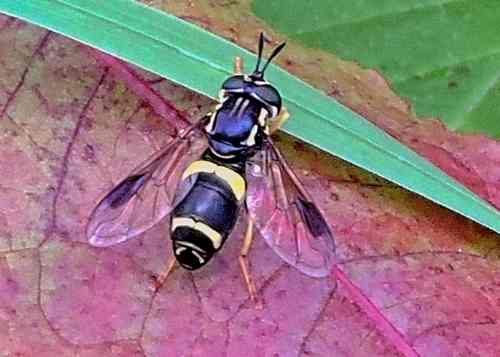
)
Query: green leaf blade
[
  {"x": 200, "y": 61},
  {"x": 442, "y": 55}
]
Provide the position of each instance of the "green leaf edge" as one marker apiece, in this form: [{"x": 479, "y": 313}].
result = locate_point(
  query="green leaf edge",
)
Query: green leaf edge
[{"x": 188, "y": 55}]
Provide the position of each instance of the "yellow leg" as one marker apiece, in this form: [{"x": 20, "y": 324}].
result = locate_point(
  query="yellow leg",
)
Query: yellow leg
[
  {"x": 245, "y": 269},
  {"x": 160, "y": 280},
  {"x": 279, "y": 120},
  {"x": 238, "y": 65}
]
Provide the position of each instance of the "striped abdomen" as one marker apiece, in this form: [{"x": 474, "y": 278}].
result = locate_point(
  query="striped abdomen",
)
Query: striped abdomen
[{"x": 202, "y": 221}]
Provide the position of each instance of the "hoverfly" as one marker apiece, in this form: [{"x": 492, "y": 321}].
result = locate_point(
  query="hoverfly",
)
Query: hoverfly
[{"x": 238, "y": 166}]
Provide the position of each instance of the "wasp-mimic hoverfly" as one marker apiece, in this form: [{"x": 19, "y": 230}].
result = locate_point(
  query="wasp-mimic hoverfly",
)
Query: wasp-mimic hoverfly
[{"x": 237, "y": 166}]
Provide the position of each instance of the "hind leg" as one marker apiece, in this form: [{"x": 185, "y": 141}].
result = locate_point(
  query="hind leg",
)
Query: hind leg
[
  {"x": 243, "y": 259},
  {"x": 160, "y": 280}
]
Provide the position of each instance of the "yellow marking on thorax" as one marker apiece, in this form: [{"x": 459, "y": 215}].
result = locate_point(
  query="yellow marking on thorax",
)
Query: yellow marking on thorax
[
  {"x": 262, "y": 117},
  {"x": 211, "y": 233},
  {"x": 250, "y": 141},
  {"x": 232, "y": 178},
  {"x": 211, "y": 123}
]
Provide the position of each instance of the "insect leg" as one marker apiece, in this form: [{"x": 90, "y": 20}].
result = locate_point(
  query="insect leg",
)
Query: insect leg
[
  {"x": 160, "y": 280},
  {"x": 238, "y": 65},
  {"x": 280, "y": 120},
  {"x": 245, "y": 269}
]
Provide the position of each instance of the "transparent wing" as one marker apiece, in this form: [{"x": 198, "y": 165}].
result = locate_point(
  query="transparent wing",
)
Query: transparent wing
[
  {"x": 286, "y": 216},
  {"x": 148, "y": 194}
]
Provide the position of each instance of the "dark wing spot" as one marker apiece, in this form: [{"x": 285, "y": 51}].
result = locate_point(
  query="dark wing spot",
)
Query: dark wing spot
[
  {"x": 313, "y": 218},
  {"x": 123, "y": 192}
]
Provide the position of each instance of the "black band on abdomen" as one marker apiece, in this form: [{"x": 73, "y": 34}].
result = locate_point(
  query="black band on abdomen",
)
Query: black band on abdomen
[{"x": 212, "y": 202}]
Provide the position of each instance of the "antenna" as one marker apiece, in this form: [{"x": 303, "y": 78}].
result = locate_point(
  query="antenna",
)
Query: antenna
[
  {"x": 258, "y": 73},
  {"x": 261, "y": 46},
  {"x": 274, "y": 54}
]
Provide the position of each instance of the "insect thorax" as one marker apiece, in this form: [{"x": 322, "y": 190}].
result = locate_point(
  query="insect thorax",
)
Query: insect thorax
[{"x": 237, "y": 127}]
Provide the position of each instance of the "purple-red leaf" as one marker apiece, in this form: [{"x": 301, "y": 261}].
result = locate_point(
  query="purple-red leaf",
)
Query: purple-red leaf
[{"x": 412, "y": 277}]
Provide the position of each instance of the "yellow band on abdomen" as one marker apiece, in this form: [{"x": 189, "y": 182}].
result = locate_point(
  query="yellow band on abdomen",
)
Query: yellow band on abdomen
[
  {"x": 208, "y": 231},
  {"x": 232, "y": 178}
]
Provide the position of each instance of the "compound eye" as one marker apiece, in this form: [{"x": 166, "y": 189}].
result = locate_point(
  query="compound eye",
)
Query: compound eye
[
  {"x": 234, "y": 84},
  {"x": 270, "y": 95}
]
